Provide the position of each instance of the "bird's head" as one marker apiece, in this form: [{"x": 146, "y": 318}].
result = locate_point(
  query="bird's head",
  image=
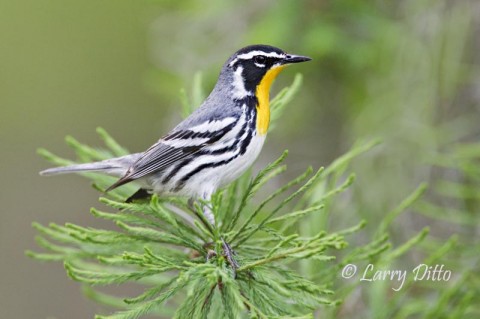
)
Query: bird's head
[{"x": 255, "y": 67}]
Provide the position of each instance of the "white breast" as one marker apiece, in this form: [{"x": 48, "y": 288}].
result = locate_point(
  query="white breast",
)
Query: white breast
[
  {"x": 209, "y": 180},
  {"x": 238, "y": 166}
]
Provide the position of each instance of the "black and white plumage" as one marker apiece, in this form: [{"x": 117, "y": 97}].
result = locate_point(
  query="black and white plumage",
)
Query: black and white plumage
[{"x": 216, "y": 143}]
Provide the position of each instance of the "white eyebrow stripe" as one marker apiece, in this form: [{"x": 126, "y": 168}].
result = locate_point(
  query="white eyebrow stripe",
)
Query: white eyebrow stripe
[{"x": 251, "y": 54}]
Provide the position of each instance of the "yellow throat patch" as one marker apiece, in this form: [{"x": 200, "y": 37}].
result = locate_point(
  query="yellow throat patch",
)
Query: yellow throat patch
[{"x": 263, "y": 97}]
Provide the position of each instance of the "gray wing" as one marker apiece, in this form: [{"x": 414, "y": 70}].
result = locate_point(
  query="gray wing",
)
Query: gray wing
[{"x": 177, "y": 145}]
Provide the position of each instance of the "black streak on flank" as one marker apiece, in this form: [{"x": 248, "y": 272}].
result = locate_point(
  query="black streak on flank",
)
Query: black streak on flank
[{"x": 243, "y": 148}]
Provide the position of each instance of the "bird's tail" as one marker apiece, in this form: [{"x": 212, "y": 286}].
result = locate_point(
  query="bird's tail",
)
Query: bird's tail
[
  {"x": 87, "y": 167},
  {"x": 115, "y": 166}
]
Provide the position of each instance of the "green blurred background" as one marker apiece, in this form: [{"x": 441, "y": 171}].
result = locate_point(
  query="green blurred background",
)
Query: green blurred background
[{"x": 403, "y": 71}]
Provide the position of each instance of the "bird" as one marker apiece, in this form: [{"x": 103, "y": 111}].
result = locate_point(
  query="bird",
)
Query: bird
[{"x": 215, "y": 144}]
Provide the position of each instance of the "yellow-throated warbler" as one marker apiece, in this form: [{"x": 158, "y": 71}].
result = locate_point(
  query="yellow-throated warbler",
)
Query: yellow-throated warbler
[{"x": 216, "y": 143}]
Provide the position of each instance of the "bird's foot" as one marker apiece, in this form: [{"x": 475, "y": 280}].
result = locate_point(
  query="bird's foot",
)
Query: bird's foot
[
  {"x": 227, "y": 252},
  {"x": 229, "y": 255}
]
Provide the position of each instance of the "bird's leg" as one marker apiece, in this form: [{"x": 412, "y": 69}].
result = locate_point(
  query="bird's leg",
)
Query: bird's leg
[
  {"x": 227, "y": 252},
  {"x": 207, "y": 212}
]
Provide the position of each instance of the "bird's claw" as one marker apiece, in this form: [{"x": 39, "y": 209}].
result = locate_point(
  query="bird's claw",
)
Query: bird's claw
[{"x": 229, "y": 254}]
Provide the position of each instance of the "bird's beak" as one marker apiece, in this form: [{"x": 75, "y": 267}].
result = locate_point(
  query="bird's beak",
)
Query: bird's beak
[{"x": 291, "y": 58}]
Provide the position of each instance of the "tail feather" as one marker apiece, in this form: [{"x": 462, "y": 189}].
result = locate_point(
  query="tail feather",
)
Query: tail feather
[
  {"x": 88, "y": 167},
  {"x": 115, "y": 166}
]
